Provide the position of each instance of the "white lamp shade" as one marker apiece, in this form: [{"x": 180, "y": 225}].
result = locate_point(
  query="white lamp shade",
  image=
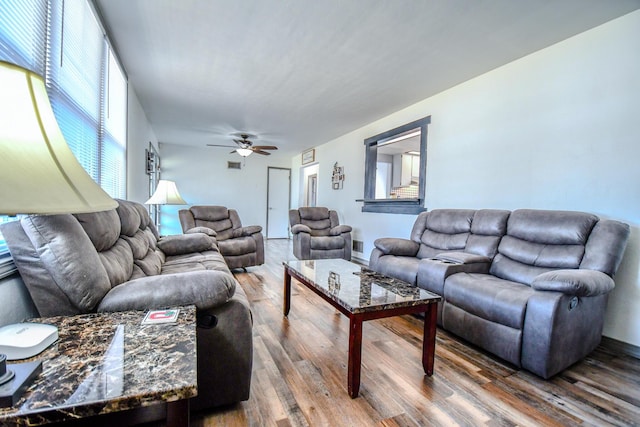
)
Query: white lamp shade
[
  {"x": 244, "y": 152},
  {"x": 166, "y": 194},
  {"x": 38, "y": 172}
]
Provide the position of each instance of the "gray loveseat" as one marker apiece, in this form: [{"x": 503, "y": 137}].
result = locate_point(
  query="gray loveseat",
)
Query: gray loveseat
[
  {"x": 529, "y": 286},
  {"x": 113, "y": 261}
]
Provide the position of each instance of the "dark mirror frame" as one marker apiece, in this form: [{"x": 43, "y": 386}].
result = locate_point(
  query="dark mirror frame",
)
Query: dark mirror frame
[{"x": 398, "y": 206}]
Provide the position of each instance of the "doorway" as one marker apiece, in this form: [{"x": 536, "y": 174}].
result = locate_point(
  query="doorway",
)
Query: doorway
[
  {"x": 278, "y": 202},
  {"x": 312, "y": 190}
]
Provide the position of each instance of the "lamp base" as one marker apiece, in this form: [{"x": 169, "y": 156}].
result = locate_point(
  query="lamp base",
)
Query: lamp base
[{"x": 24, "y": 373}]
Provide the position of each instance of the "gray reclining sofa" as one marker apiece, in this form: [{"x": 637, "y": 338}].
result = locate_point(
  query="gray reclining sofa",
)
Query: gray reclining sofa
[
  {"x": 529, "y": 286},
  {"x": 113, "y": 261}
]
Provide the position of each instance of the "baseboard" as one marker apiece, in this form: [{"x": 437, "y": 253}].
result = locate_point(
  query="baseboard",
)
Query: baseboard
[
  {"x": 359, "y": 260},
  {"x": 620, "y": 347}
]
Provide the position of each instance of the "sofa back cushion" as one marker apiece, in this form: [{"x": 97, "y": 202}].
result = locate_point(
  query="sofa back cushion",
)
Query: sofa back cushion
[
  {"x": 319, "y": 219},
  {"x": 217, "y": 218},
  {"x": 58, "y": 263},
  {"x": 443, "y": 230},
  {"x": 487, "y": 229},
  {"x": 538, "y": 241},
  {"x": 125, "y": 240}
]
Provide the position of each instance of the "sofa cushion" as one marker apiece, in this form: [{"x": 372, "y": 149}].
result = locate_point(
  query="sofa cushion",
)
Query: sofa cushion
[
  {"x": 489, "y": 297},
  {"x": 117, "y": 262},
  {"x": 48, "y": 298},
  {"x": 400, "y": 267},
  {"x": 551, "y": 227},
  {"x": 209, "y": 213},
  {"x": 130, "y": 220},
  {"x": 103, "y": 228},
  {"x": 209, "y": 260},
  {"x": 185, "y": 243},
  {"x": 327, "y": 242},
  {"x": 538, "y": 241},
  {"x": 205, "y": 289},
  {"x": 70, "y": 258},
  {"x": 487, "y": 229},
  {"x": 445, "y": 230},
  {"x": 237, "y": 246}
]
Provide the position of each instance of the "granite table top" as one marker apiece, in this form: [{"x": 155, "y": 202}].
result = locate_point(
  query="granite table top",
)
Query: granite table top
[
  {"x": 108, "y": 362},
  {"x": 359, "y": 289}
]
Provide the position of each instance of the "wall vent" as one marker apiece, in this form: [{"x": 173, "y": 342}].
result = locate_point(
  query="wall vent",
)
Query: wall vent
[
  {"x": 358, "y": 246},
  {"x": 233, "y": 165}
]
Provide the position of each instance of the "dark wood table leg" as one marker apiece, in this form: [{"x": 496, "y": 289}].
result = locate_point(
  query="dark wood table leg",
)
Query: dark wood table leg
[
  {"x": 287, "y": 292},
  {"x": 429, "y": 339},
  {"x": 355, "y": 354},
  {"x": 178, "y": 413}
]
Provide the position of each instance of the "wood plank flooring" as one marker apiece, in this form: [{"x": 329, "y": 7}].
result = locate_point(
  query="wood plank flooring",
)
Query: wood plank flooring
[{"x": 300, "y": 372}]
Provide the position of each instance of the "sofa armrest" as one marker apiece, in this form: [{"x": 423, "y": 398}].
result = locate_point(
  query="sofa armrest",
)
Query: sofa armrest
[
  {"x": 462, "y": 258},
  {"x": 247, "y": 231},
  {"x": 581, "y": 283},
  {"x": 204, "y": 288},
  {"x": 300, "y": 228},
  {"x": 397, "y": 246},
  {"x": 339, "y": 229},
  {"x": 180, "y": 244},
  {"x": 206, "y": 230}
]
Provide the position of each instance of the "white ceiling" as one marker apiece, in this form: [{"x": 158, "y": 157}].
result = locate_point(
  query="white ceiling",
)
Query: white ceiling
[{"x": 299, "y": 73}]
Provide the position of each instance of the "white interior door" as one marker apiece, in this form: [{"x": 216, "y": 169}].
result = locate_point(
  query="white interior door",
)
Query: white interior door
[{"x": 278, "y": 199}]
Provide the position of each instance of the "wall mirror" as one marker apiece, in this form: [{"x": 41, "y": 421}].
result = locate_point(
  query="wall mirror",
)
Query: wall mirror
[{"x": 395, "y": 169}]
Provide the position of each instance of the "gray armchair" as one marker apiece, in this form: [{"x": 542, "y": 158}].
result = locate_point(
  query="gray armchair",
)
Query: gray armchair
[
  {"x": 317, "y": 234},
  {"x": 240, "y": 246}
]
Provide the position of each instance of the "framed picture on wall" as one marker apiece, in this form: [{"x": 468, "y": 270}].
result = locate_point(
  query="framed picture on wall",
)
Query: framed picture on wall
[{"x": 308, "y": 156}]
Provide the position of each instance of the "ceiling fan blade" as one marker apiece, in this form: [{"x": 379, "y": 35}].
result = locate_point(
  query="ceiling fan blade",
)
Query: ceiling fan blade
[
  {"x": 264, "y": 153},
  {"x": 265, "y": 147},
  {"x": 218, "y": 145}
]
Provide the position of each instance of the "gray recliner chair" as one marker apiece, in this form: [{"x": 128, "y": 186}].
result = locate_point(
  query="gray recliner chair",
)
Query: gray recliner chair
[
  {"x": 240, "y": 246},
  {"x": 317, "y": 234}
]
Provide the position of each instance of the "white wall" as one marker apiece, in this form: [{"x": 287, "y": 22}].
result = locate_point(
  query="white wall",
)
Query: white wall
[
  {"x": 558, "y": 129},
  {"x": 139, "y": 134},
  {"x": 202, "y": 178}
]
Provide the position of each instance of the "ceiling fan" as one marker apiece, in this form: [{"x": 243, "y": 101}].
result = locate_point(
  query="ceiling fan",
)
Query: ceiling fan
[{"x": 246, "y": 147}]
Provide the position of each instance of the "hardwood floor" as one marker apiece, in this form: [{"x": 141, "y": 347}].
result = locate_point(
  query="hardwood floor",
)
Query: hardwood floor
[{"x": 300, "y": 372}]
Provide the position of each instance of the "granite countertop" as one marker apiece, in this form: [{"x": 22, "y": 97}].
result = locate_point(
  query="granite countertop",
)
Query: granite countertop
[{"x": 109, "y": 362}]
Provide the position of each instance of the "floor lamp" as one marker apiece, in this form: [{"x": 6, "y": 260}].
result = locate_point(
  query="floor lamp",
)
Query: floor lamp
[
  {"x": 39, "y": 175},
  {"x": 166, "y": 194}
]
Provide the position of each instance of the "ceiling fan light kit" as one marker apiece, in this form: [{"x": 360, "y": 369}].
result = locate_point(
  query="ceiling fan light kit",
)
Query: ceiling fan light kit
[
  {"x": 244, "y": 152},
  {"x": 245, "y": 147}
]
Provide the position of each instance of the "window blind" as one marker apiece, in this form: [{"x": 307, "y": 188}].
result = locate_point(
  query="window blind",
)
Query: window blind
[
  {"x": 114, "y": 129},
  {"x": 74, "y": 79},
  {"x": 23, "y": 33}
]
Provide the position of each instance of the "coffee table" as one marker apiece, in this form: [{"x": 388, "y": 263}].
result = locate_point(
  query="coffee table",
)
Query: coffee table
[
  {"x": 109, "y": 362},
  {"x": 362, "y": 294}
]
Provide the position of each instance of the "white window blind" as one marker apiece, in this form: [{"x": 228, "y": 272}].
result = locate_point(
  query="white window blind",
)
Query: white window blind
[
  {"x": 74, "y": 79},
  {"x": 23, "y": 33},
  {"x": 114, "y": 129}
]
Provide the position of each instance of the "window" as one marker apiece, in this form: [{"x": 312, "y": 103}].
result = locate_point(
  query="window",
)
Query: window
[
  {"x": 64, "y": 42},
  {"x": 395, "y": 169}
]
